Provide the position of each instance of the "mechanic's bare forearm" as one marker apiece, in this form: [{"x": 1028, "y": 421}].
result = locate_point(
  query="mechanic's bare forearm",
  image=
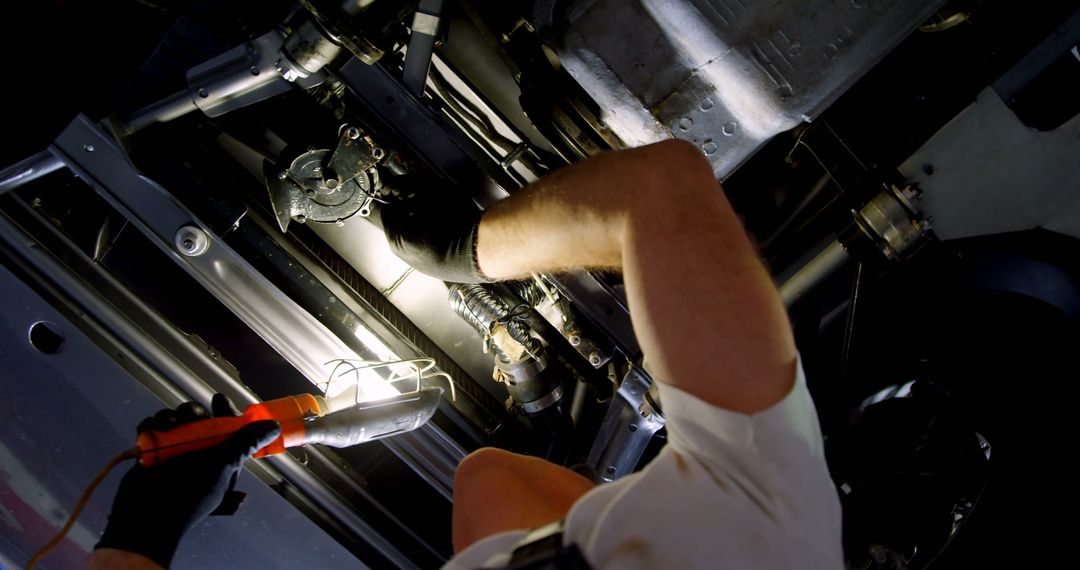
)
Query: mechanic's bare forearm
[
  {"x": 113, "y": 559},
  {"x": 704, "y": 308},
  {"x": 573, "y": 218}
]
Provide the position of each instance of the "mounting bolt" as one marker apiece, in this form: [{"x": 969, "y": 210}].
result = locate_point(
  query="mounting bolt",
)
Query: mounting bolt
[
  {"x": 191, "y": 241},
  {"x": 283, "y": 175},
  {"x": 594, "y": 358},
  {"x": 353, "y": 132},
  {"x": 300, "y": 218},
  {"x": 378, "y": 153},
  {"x": 88, "y": 147}
]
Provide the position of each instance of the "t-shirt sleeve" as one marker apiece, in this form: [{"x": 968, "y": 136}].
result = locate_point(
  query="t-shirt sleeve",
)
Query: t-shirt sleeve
[
  {"x": 490, "y": 552},
  {"x": 775, "y": 457}
]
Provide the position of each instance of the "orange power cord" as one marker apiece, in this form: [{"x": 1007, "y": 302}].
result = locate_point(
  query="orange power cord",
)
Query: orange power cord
[{"x": 132, "y": 453}]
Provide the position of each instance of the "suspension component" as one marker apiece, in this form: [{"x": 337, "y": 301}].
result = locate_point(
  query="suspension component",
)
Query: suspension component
[
  {"x": 520, "y": 358},
  {"x": 487, "y": 313},
  {"x": 554, "y": 308}
]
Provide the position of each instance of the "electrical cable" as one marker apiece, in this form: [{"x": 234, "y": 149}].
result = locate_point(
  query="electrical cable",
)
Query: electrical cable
[
  {"x": 80, "y": 504},
  {"x": 421, "y": 368}
]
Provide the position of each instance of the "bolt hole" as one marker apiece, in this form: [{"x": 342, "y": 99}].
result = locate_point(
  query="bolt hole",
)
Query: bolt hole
[
  {"x": 633, "y": 428},
  {"x": 610, "y": 470},
  {"x": 46, "y": 337}
]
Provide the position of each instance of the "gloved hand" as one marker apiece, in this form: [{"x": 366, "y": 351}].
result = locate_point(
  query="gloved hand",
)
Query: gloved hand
[
  {"x": 432, "y": 232},
  {"x": 156, "y": 505}
]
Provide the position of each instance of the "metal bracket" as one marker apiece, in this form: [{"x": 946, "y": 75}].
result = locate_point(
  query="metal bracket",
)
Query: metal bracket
[{"x": 631, "y": 421}]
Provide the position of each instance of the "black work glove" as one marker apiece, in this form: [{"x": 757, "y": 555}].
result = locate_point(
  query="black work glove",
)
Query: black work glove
[
  {"x": 156, "y": 505},
  {"x": 433, "y": 233}
]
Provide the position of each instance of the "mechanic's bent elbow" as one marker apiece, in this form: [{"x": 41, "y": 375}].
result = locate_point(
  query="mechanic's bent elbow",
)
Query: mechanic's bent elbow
[{"x": 674, "y": 172}]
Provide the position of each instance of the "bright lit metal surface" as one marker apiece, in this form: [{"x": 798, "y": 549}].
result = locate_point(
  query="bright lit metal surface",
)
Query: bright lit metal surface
[
  {"x": 421, "y": 298},
  {"x": 283, "y": 324},
  {"x": 626, "y": 430},
  {"x": 1034, "y": 181},
  {"x": 30, "y": 169},
  {"x": 726, "y": 75},
  {"x": 831, "y": 258}
]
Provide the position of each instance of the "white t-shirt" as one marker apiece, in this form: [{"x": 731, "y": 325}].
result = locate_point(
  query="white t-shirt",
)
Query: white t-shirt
[{"x": 728, "y": 491}]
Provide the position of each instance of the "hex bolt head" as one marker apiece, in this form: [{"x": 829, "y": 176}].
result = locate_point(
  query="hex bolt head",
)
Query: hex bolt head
[
  {"x": 353, "y": 132},
  {"x": 594, "y": 359},
  {"x": 191, "y": 241},
  {"x": 575, "y": 340}
]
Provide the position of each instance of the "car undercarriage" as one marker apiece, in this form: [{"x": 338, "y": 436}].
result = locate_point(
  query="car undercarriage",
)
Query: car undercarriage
[{"x": 194, "y": 205}]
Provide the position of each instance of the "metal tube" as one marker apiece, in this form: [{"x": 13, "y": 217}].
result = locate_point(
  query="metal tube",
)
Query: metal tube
[
  {"x": 28, "y": 170},
  {"x": 425, "y": 27},
  {"x": 169, "y": 108},
  {"x": 833, "y": 257}
]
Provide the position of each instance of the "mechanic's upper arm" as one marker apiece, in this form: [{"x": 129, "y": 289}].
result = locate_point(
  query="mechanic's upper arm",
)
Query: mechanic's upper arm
[{"x": 704, "y": 308}]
